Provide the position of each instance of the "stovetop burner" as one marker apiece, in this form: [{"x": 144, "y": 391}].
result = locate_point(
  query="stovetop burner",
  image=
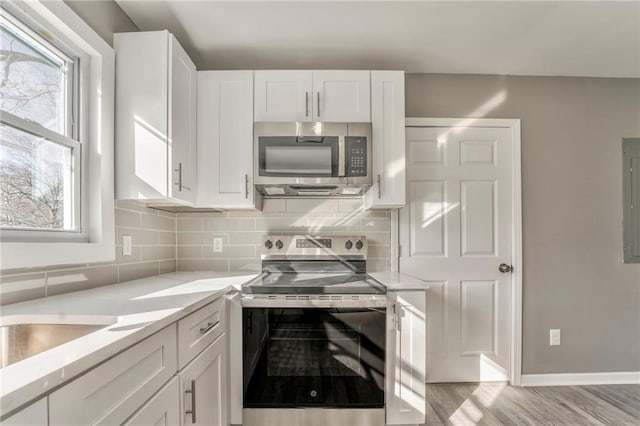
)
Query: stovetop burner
[
  {"x": 313, "y": 283},
  {"x": 314, "y": 265}
]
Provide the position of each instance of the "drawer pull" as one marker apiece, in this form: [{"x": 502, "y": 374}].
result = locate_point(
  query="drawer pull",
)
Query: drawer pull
[
  {"x": 192, "y": 391},
  {"x": 208, "y": 327}
]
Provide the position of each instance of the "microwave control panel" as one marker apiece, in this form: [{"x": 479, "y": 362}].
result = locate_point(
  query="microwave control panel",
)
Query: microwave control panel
[{"x": 356, "y": 155}]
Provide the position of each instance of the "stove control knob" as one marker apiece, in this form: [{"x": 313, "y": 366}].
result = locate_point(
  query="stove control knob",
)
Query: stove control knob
[
  {"x": 279, "y": 244},
  {"x": 268, "y": 244},
  {"x": 348, "y": 245},
  {"x": 359, "y": 244}
]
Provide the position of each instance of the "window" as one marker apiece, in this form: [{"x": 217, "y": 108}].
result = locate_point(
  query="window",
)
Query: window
[
  {"x": 56, "y": 138},
  {"x": 40, "y": 156}
]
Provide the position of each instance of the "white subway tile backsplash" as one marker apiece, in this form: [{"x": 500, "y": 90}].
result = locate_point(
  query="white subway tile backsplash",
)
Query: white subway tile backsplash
[
  {"x": 189, "y": 252},
  {"x": 166, "y": 242},
  {"x": 166, "y": 266},
  {"x": 157, "y": 253},
  {"x": 18, "y": 288},
  {"x": 59, "y": 282},
  {"x": 127, "y": 218},
  {"x": 244, "y": 231},
  {"x": 218, "y": 265},
  {"x": 133, "y": 271},
  {"x": 189, "y": 224},
  {"x": 305, "y": 205},
  {"x": 153, "y": 251},
  {"x": 274, "y": 205},
  {"x": 157, "y": 222}
]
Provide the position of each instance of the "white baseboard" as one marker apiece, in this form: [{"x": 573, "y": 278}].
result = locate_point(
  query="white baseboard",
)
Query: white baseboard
[{"x": 571, "y": 379}]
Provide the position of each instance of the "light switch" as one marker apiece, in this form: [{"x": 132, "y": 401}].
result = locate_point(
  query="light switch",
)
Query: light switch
[{"x": 554, "y": 337}]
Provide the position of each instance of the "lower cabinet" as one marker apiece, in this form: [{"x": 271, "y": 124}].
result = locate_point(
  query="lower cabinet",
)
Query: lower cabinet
[
  {"x": 143, "y": 386},
  {"x": 406, "y": 362},
  {"x": 112, "y": 392},
  {"x": 34, "y": 415},
  {"x": 161, "y": 410},
  {"x": 203, "y": 386}
]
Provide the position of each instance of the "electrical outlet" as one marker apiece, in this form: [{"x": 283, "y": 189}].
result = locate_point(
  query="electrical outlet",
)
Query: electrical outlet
[
  {"x": 127, "y": 241},
  {"x": 554, "y": 337},
  {"x": 217, "y": 245}
]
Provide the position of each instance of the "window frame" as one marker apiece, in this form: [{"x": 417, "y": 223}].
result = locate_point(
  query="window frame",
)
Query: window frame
[
  {"x": 94, "y": 129},
  {"x": 72, "y": 127}
]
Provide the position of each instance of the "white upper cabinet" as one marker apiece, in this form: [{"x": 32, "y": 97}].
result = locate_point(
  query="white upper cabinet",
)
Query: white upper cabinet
[
  {"x": 283, "y": 96},
  {"x": 182, "y": 122},
  {"x": 155, "y": 119},
  {"x": 225, "y": 139},
  {"x": 341, "y": 96},
  {"x": 388, "y": 141},
  {"x": 329, "y": 96}
]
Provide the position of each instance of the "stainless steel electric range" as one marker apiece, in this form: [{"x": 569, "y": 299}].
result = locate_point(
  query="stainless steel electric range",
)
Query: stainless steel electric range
[{"x": 313, "y": 334}]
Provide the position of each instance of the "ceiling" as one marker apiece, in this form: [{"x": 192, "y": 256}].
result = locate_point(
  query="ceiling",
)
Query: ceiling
[{"x": 595, "y": 39}]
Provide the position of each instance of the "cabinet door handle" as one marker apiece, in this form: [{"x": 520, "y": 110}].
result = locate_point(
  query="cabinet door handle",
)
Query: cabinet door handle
[
  {"x": 208, "y": 327},
  {"x": 318, "y": 104},
  {"x": 306, "y": 104},
  {"x": 179, "y": 182},
  {"x": 192, "y": 391},
  {"x": 379, "y": 187},
  {"x": 246, "y": 186}
]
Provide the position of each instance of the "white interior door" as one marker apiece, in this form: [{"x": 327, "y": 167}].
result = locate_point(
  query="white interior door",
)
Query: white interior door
[{"x": 454, "y": 233}]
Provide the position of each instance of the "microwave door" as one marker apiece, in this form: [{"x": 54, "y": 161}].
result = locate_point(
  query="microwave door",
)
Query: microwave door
[{"x": 293, "y": 157}]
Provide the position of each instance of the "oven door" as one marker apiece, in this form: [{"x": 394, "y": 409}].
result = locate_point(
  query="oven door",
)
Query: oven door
[
  {"x": 313, "y": 357},
  {"x": 290, "y": 156}
]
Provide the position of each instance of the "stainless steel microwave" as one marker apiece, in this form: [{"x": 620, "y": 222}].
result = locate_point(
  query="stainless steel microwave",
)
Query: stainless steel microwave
[{"x": 312, "y": 159}]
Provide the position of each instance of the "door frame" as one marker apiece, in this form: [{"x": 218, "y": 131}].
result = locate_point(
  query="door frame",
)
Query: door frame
[{"x": 513, "y": 124}]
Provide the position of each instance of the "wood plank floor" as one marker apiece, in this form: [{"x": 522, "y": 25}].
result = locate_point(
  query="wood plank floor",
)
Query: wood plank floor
[{"x": 500, "y": 404}]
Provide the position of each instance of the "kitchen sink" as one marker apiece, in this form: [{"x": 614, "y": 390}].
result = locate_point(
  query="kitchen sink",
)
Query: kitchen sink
[{"x": 22, "y": 337}]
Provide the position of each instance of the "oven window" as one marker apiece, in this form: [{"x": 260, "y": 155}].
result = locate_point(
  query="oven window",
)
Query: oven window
[
  {"x": 313, "y": 357},
  {"x": 308, "y": 160}
]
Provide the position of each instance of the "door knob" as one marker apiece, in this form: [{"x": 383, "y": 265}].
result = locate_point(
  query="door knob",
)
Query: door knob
[{"x": 504, "y": 268}]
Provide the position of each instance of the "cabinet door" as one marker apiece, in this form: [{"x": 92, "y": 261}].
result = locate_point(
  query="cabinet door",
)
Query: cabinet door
[
  {"x": 163, "y": 409},
  {"x": 204, "y": 387},
  {"x": 341, "y": 96},
  {"x": 141, "y": 137},
  {"x": 113, "y": 391},
  {"x": 388, "y": 140},
  {"x": 182, "y": 123},
  {"x": 225, "y": 139},
  {"x": 33, "y": 415},
  {"x": 283, "y": 96},
  {"x": 406, "y": 363}
]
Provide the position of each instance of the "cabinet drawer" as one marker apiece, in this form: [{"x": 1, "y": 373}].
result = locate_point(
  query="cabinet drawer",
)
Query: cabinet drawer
[
  {"x": 199, "y": 329},
  {"x": 112, "y": 392}
]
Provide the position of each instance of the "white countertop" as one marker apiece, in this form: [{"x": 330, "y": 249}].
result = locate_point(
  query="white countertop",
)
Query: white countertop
[
  {"x": 136, "y": 309},
  {"x": 139, "y": 309},
  {"x": 395, "y": 281}
]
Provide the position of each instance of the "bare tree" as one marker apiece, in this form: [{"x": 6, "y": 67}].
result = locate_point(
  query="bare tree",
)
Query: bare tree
[{"x": 31, "y": 187}]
